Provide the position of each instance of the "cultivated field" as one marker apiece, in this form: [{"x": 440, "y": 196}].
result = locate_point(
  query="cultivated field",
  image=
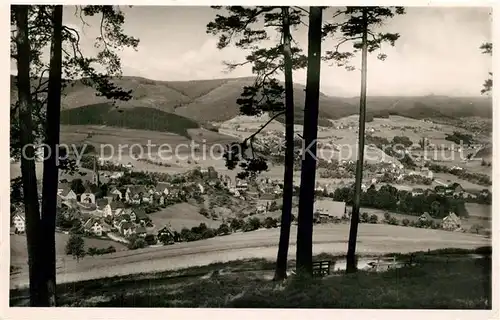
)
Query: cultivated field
[
  {"x": 97, "y": 135},
  {"x": 372, "y": 239},
  {"x": 19, "y": 253},
  {"x": 448, "y": 178},
  {"x": 479, "y": 214},
  {"x": 181, "y": 215}
]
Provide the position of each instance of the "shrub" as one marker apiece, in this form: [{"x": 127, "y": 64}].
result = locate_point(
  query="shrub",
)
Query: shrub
[
  {"x": 373, "y": 219},
  {"x": 209, "y": 233},
  {"x": 96, "y": 251},
  {"x": 92, "y": 251},
  {"x": 110, "y": 249},
  {"x": 136, "y": 243},
  {"x": 236, "y": 224},
  {"x": 199, "y": 229},
  {"x": 387, "y": 217},
  {"x": 316, "y": 217},
  {"x": 273, "y": 206},
  {"x": 393, "y": 221},
  {"x": 150, "y": 239},
  {"x": 270, "y": 222},
  {"x": 405, "y": 222},
  {"x": 365, "y": 217},
  {"x": 255, "y": 222},
  {"x": 223, "y": 230},
  {"x": 252, "y": 224},
  {"x": 476, "y": 228},
  {"x": 204, "y": 212},
  {"x": 188, "y": 235}
]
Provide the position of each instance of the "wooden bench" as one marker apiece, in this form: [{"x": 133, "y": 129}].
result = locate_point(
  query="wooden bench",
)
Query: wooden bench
[
  {"x": 411, "y": 261},
  {"x": 321, "y": 268}
]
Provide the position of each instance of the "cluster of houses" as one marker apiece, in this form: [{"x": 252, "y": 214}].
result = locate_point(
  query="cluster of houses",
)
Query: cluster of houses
[
  {"x": 451, "y": 222},
  {"x": 118, "y": 210}
]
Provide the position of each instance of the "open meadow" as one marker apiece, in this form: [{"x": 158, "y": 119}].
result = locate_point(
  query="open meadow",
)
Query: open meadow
[
  {"x": 332, "y": 239},
  {"x": 115, "y": 136},
  {"x": 181, "y": 215}
]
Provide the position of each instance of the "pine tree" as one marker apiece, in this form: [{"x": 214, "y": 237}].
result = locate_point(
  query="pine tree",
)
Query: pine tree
[
  {"x": 266, "y": 94},
  {"x": 37, "y": 27},
  {"x": 357, "y": 27},
  {"x": 488, "y": 83},
  {"x": 308, "y": 172}
]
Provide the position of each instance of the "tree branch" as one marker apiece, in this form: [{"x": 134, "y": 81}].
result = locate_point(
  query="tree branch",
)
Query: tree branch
[{"x": 263, "y": 126}]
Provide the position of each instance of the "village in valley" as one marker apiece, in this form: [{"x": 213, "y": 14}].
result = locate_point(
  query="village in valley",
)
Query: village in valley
[
  {"x": 251, "y": 157},
  {"x": 134, "y": 207}
]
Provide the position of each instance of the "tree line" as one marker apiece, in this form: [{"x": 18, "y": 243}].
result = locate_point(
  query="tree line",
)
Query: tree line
[{"x": 402, "y": 201}]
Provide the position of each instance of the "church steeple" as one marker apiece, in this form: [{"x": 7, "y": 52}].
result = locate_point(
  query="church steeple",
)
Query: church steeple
[{"x": 95, "y": 178}]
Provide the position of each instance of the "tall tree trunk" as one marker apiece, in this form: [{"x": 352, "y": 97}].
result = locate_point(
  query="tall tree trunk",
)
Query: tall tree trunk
[
  {"x": 50, "y": 167},
  {"x": 38, "y": 296},
  {"x": 286, "y": 214},
  {"x": 353, "y": 232},
  {"x": 308, "y": 173}
]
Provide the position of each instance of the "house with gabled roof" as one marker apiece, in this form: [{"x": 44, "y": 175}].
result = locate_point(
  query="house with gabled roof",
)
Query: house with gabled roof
[
  {"x": 162, "y": 188},
  {"x": 115, "y": 193},
  {"x": 127, "y": 228},
  {"x": 157, "y": 199},
  {"x": 89, "y": 195},
  {"x": 457, "y": 189},
  {"x": 201, "y": 188},
  {"x": 96, "y": 226},
  {"x": 241, "y": 185},
  {"x": 128, "y": 214},
  {"x": 136, "y": 194},
  {"x": 451, "y": 222},
  {"x": 425, "y": 217},
  {"x": 19, "y": 221},
  {"x": 417, "y": 192},
  {"x": 65, "y": 192},
  {"x": 104, "y": 205},
  {"x": 138, "y": 214},
  {"x": 441, "y": 190},
  {"x": 485, "y": 192},
  {"x": 166, "y": 234}
]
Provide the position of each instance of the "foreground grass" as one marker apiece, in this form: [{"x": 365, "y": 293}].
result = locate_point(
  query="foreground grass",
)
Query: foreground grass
[{"x": 442, "y": 279}]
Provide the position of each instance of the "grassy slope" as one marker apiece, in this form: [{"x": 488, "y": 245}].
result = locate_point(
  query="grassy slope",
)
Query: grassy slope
[
  {"x": 442, "y": 280},
  {"x": 18, "y": 245}
]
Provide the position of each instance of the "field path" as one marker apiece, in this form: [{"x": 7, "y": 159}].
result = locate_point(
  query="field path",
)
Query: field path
[{"x": 373, "y": 239}]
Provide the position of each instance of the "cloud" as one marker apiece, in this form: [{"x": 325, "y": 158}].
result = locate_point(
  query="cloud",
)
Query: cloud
[
  {"x": 438, "y": 51},
  {"x": 202, "y": 62}
]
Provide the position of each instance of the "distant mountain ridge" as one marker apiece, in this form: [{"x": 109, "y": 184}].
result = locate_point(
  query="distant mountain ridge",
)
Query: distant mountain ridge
[{"x": 204, "y": 101}]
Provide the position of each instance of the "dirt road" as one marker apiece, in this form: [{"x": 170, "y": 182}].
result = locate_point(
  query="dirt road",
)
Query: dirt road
[{"x": 373, "y": 239}]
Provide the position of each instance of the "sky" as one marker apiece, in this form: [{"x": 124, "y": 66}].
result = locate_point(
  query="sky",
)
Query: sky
[{"x": 437, "y": 53}]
